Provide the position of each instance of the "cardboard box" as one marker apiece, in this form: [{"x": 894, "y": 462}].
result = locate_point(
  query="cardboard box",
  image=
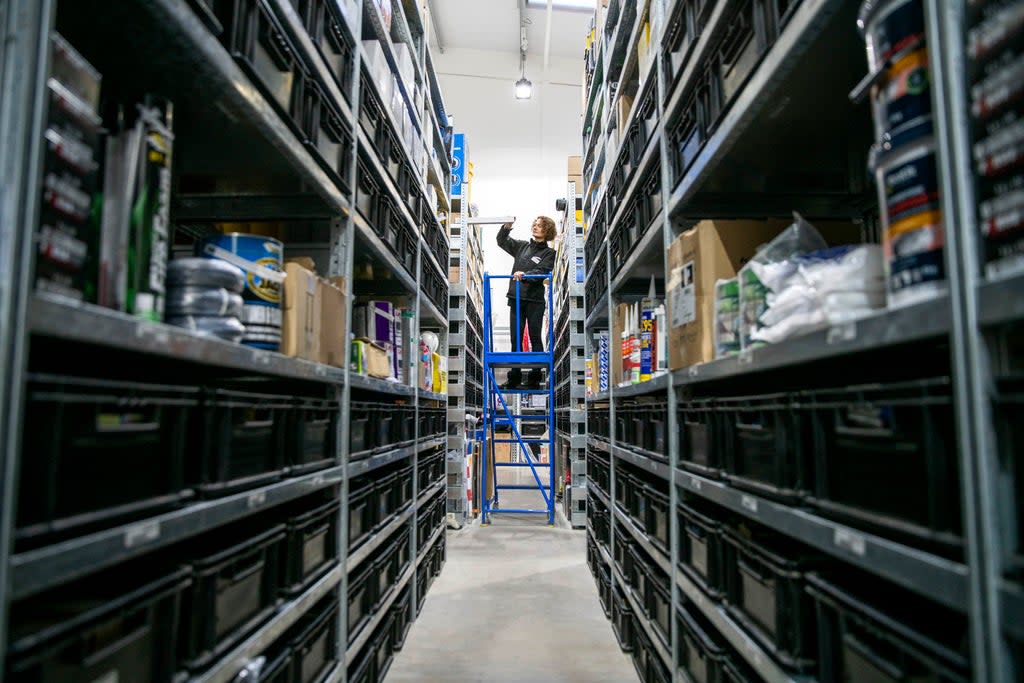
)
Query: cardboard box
[
  {"x": 371, "y": 359},
  {"x": 625, "y": 107},
  {"x": 615, "y": 342},
  {"x": 300, "y": 324},
  {"x": 333, "y": 310},
  {"x": 575, "y": 166},
  {"x": 710, "y": 251},
  {"x": 454, "y": 275}
]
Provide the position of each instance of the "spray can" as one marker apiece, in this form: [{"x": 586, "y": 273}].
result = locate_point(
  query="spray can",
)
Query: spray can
[{"x": 150, "y": 218}]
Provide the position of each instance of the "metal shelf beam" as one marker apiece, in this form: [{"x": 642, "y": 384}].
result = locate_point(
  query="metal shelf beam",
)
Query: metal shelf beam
[
  {"x": 367, "y": 547},
  {"x": 383, "y": 608},
  {"x": 929, "y": 575},
  {"x": 52, "y": 316},
  {"x": 890, "y": 327},
  {"x": 655, "y": 467},
  {"x": 36, "y": 570},
  {"x": 227, "y": 667}
]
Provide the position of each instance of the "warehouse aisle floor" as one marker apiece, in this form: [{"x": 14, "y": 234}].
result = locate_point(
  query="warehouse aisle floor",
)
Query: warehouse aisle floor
[{"x": 515, "y": 603}]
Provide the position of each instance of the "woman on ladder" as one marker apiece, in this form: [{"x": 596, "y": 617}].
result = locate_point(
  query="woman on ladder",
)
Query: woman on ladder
[{"x": 533, "y": 257}]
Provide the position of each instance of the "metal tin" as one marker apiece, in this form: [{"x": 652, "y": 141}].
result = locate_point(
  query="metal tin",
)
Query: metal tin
[
  {"x": 262, "y": 260},
  {"x": 912, "y": 231},
  {"x": 902, "y": 104},
  {"x": 889, "y": 28}
]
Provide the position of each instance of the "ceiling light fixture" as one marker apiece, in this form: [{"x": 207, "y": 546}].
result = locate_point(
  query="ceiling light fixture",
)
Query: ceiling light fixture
[{"x": 524, "y": 88}]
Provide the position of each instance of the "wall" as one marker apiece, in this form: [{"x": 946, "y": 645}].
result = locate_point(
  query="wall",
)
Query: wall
[{"x": 518, "y": 147}]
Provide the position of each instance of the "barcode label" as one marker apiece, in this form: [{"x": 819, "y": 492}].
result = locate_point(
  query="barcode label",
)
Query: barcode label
[
  {"x": 140, "y": 534},
  {"x": 749, "y": 503},
  {"x": 850, "y": 540},
  {"x": 256, "y": 499}
]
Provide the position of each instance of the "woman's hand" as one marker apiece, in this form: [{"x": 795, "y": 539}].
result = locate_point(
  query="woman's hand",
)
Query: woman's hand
[{"x": 518, "y": 275}]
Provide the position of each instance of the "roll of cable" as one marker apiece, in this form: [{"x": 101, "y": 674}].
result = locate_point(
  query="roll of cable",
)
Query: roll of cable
[
  {"x": 205, "y": 273},
  {"x": 185, "y": 301},
  {"x": 228, "y": 329}
]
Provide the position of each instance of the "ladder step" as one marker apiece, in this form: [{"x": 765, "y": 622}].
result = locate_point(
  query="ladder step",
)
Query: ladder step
[
  {"x": 518, "y": 512},
  {"x": 525, "y": 440},
  {"x": 520, "y": 487},
  {"x": 521, "y": 391},
  {"x": 520, "y": 464}
]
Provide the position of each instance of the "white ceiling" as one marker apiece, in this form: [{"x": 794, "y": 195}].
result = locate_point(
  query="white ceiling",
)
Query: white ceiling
[{"x": 494, "y": 25}]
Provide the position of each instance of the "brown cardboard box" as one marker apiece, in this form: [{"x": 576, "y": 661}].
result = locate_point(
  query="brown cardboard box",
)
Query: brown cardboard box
[
  {"x": 615, "y": 343},
  {"x": 710, "y": 251},
  {"x": 333, "y": 311},
  {"x": 454, "y": 275},
  {"x": 625, "y": 107},
  {"x": 300, "y": 324},
  {"x": 375, "y": 359},
  {"x": 575, "y": 166}
]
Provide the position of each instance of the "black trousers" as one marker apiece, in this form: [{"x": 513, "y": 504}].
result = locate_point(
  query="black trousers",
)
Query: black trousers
[{"x": 531, "y": 317}]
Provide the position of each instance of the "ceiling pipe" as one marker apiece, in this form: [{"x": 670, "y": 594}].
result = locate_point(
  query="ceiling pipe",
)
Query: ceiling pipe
[
  {"x": 434, "y": 25},
  {"x": 547, "y": 35}
]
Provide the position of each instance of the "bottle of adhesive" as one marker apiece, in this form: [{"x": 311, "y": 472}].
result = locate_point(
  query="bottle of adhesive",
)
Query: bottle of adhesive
[{"x": 648, "y": 335}]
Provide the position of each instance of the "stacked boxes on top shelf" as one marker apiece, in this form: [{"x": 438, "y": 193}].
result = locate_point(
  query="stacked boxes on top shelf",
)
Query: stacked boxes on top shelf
[
  {"x": 229, "y": 545},
  {"x": 571, "y": 363},
  {"x": 811, "y": 325},
  {"x": 465, "y": 353}
]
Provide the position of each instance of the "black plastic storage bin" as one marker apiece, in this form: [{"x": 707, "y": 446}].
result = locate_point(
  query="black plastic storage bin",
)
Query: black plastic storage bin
[
  {"x": 83, "y": 437},
  {"x": 400, "y": 558},
  {"x": 701, "y": 653},
  {"x": 362, "y": 598},
  {"x": 262, "y": 49},
  {"x": 326, "y": 27},
  {"x": 1009, "y": 422},
  {"x": 245, "y": 440},
  {"x": 107, "y": 628},
  {"x": 403, "y": 430},
  {"x": 380, "y": 426},
  {"x": 767, "y": 450},
  {"x": 741, "y": 47},
  {"x": 315, "y": 425},
  {"x": 701, "y": 444},
  {"x": 371, "y": 112},
  {"x": 278, "y": 667},
  {"x": 363, "y": 669},
  {"x": 384, "y": 646},
  {"x": 233, "y": 591},
  {"x": 312, "y": 546},
  {"x": 315, "y": 647},
  {"x": 328, "y": 135},
  {"x": 384, "y": 567},
  {"x": 403, "y": 486},
  {"x": 702, "y": 550},
  {"x": 403, "y": 622},
  {"x": 368, "y": 190},
  {"x": 687, "y": 132},
  {"x": 885, "y": 455},
  {"x": 684, "y": 27},
  {"x": 622, "y": 620},
  {"x": 362, "y": 510},
  {"x": 657, "y": 517},
  {"x": 658, "y": 602},
  {"x": 384, "y": 498},
  {"x": 360, "y": 439},
  {"x": 883, "y": 633},
  {"x": 765, "y": 582}
]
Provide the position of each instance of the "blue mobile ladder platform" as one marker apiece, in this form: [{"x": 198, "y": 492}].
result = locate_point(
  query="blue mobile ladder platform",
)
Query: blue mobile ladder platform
[{"x": 497, "y": 411}]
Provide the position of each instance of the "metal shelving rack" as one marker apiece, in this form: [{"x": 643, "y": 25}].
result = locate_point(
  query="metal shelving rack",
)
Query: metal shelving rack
[
  {"x": 570, "y": 365},
  {"x": 193, "y": 65},
  {"x": 977, "y": 320},
  {"x": 465, "y": 352}
]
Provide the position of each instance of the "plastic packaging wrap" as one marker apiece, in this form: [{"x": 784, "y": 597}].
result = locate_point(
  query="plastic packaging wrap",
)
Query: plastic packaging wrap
[
  {"x": 727, "y": 317},
  {"x": 205, "y": 273},
  {"x": 184, "y": 301},
  {"x": 228, "y": 329}
]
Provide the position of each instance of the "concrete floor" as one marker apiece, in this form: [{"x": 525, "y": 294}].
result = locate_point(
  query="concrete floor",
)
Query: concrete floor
[{"x": 515, "y": 603}]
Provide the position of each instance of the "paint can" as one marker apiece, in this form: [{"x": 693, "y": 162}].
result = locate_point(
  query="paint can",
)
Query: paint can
[
  {"x": 262, "y": 260},
  {"x": 913, "y": 236},
  {"x": 902, "y": 105},
  {"x": 890, "y": 27}
]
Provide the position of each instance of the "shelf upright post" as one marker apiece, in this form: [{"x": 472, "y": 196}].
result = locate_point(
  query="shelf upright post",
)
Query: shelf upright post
[
  {"x": 661, "y": 86},
  {"x": 24, "y": 66},
  {"x": 342, "y": 263},
  {"x": 973, "y": 388}
]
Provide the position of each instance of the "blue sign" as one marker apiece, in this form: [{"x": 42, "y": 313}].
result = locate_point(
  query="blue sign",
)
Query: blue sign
[{"x": 459, "y": 168}]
